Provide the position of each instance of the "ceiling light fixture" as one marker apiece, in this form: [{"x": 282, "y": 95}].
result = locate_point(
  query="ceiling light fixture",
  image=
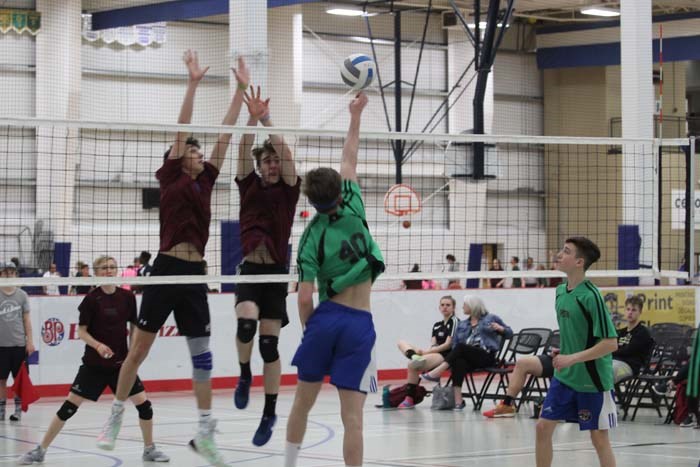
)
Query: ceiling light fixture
[
  {"x": 345, "y": 12},
  {"x": 601, "y": 10}
]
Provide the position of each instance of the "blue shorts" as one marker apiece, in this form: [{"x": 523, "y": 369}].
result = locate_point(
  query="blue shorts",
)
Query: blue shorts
[
  {"x": 338, "y": 341},
  {"x": 592, "y": 410}
]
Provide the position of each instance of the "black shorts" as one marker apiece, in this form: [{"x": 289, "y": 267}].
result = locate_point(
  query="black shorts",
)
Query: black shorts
[
  {"x": 187, "y": 301},
  {"x": 11, "y": 359},
  {"x": 271, "y": 299},
  {"x": 547, "y": 366},
  {"x": 91, "y": 381}
]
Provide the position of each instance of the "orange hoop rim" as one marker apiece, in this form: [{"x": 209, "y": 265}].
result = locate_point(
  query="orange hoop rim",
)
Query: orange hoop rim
[{"x": 391, "y": 208}]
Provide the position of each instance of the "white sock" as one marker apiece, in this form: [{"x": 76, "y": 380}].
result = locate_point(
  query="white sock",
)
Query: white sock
[
  {"x": 204, "y": 416},
  {"x": 117, "y": 405},
  {"x": 291, "y": 453}
]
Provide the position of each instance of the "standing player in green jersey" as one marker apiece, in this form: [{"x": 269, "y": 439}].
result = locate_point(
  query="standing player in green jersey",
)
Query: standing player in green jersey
[
  {"x": 338, "y": 252},
  {"x": 581, "y": 389}
]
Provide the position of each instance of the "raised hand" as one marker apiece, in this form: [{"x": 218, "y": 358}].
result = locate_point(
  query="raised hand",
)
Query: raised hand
[
  {"x": 192, "y": 61},
  {"x": 358, "y": 104},
  {"x": 257, "y": 108},
  {"x": 241, "y": 73}
]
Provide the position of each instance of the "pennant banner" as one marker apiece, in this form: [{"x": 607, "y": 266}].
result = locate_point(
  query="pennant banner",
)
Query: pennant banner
[
  {"x": 20, "y": 21},
  {"x": 141, "y": 34}
]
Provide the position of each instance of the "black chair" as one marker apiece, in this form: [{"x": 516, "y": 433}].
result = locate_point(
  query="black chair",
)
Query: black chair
[
  {"x": 523, "y": 343},
  {"x": 536, "y": 387},
  {"x": 670, "y": 353},
  {"x": 472, "y": 392}
]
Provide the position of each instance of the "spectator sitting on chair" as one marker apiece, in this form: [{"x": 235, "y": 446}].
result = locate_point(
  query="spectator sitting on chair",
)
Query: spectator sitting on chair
[
  {"x": 83, "y": 272},
  {"x": 131, "y": 271},
  {"x": 413, "y": 284},
  {"x": 530, "y": 267},
  {"x": 427, "y": 359},
  {"x": 52, "y": 272},
  {"x": 496, "y": 282},
  {"x": 634, "y": 343},
  {"x": 474, "y": 345}
]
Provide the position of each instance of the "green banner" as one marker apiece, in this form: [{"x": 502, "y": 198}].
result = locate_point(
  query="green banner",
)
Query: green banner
[{"x": 20, "y": 21}]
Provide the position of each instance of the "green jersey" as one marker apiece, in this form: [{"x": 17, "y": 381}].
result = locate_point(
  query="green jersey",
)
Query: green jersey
[
  {"x": 337, "y": 249},
  {"x": 583, "y": 321}
]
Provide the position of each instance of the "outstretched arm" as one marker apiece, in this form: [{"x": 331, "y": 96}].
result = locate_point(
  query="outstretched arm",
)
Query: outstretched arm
[
  {"x": 348, "y": 165},
  {"x": 195, "y": 76},
  {"x": 242, "y": 75},
  {"x": 257, "y": 109}
]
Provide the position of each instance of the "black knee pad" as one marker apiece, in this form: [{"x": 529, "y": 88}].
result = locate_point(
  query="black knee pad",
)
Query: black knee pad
[
  {"x": 145, "y": 410},
  {"x": 66, "y": 411},
  {"x": 246, "y": 329},
  {"x": 268, "y": 348}
]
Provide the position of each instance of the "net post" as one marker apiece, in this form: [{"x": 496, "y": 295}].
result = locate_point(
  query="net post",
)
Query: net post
[{"x": 690, "y": 210}]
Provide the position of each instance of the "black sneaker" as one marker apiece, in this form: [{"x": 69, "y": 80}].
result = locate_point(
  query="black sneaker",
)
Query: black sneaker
[
  {"x": 687, "y": 421},
  {"x": 662, "y": 389}
]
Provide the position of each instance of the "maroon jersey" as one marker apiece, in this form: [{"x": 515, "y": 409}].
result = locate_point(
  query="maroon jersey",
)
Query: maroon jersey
[
  {"x": 185, "y": 205},
  {"x": 267, "y": 214},
  {"x": 106, "y": 316}
]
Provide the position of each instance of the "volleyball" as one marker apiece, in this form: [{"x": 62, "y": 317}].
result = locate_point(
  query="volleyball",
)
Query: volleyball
[{"x": 358, "y": 71}]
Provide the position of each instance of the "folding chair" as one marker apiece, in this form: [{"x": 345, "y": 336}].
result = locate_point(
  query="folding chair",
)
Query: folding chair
[
  {"x": 669, "y": 354},
  {"x": 539, "y": 385},
  {"x": 472, "y": 391},
  {"x": 523, "y": 343}
]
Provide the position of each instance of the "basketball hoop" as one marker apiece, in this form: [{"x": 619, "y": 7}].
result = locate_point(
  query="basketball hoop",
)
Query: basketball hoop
[{"x": 401, "y": 200}]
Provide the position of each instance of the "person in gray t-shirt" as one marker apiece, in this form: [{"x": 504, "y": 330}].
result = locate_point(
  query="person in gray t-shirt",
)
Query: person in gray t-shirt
[{"x": 15, "y": 336}]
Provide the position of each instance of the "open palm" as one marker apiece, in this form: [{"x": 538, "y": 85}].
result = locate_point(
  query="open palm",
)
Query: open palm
[{"x": 257, "y": 108}]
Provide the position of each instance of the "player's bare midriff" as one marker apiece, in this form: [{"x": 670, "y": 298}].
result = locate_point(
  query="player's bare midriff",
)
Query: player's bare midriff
[
  {"x": 184, "y": 251},
  {"x": 356, "y": 296}
]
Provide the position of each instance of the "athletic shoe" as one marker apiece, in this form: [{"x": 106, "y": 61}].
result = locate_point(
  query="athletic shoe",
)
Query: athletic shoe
[
  {"x": 407, "y": 403},
  {"x": 242, "y": 393},
  {"x": 264, "y": 432},
  {"x": 35, "y": 455},
  {"x": 429, "y": 377},
  {"x": 662, "y": 389},
  {"x": 15, "y": 417},
  {"x": 460, "y": 407},
  {"x": 417, "y": 362},
  {"x": 153, "y": 454},
  {"x": 110, "y": 431},
  {"x": 687, "y": 421},
  {"x": 204, "y": 444},
  {"x": 500, "y": 411}
]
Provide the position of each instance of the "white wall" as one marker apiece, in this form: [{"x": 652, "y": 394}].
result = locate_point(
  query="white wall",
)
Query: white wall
[{"x": 169, "y": 358}]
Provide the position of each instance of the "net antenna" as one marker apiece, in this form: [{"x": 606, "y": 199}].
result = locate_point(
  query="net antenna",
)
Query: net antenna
[{"x": 401, "y": 200}]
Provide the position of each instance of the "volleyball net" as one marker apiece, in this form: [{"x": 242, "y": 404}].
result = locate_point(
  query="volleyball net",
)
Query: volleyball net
[{"x": 73, "y": 191}]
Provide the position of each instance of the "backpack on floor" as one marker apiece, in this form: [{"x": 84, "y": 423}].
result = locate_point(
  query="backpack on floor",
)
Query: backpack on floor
[{"x": 392, "y": 397}]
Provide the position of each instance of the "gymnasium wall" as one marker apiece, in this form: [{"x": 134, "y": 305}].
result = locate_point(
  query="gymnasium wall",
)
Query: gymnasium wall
[
  {"x": 407, "y": 315},
  {"x": 137, "y": 84}
]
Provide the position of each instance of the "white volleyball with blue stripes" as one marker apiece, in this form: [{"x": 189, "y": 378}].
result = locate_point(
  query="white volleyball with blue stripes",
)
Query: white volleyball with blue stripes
[{"x": 358, "y": 71}]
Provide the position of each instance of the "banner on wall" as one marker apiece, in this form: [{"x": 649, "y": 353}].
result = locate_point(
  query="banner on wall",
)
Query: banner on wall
[
  {"x": 661, "y": 305},
  {"x": 140, "y": 34},
  {"x": 20, "y": 21}
]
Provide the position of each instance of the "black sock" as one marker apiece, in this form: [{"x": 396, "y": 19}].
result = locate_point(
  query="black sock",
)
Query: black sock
[
  {"x": 270, "y": 404},
  {"x": 245, "y": 371},
  {"x": 410, "y": 353},
  {"x": 411, "y": 390},
  {"x": 508, "y": 401}
]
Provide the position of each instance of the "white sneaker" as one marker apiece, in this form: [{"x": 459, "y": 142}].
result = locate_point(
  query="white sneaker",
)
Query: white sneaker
[
  {"x": 107, "y": 439},
  {"x": 204, "y": 444},
  {"x": 153, "y": 454},
  {"x": 35, "y": 455}
]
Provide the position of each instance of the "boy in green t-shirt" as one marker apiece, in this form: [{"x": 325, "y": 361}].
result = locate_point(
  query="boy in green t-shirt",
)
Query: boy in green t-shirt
[
  {"x": 338, "y": 252},
  {"x": 582, "y": 386}
]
